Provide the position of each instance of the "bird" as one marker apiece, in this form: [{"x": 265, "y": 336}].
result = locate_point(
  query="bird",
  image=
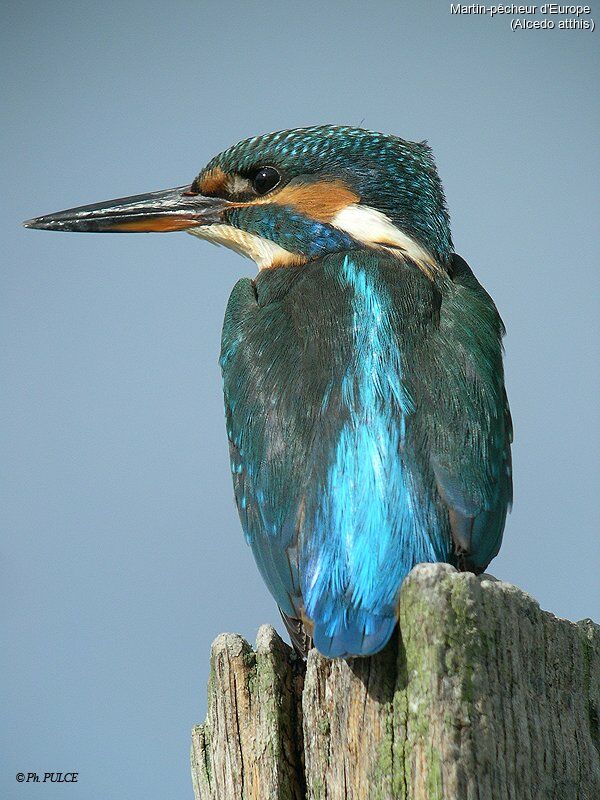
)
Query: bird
[{"x": 365, "y": 405}]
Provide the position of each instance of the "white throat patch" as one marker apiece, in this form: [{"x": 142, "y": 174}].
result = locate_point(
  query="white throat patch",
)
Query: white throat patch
[
  {"x": 363, "y": 223},
  {"x": 263, "y": 251},
  {"x": 367, "y": 225}
]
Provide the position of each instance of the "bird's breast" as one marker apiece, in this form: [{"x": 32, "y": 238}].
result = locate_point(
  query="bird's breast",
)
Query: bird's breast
[{"x": 318, "y": 404}]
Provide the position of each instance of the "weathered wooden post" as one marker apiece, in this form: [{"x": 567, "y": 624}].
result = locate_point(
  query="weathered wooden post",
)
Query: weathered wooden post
[{"x": 482, "y": 696}]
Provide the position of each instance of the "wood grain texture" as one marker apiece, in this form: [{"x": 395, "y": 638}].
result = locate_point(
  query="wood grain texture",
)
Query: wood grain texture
[{"x": 482, "y": 696}]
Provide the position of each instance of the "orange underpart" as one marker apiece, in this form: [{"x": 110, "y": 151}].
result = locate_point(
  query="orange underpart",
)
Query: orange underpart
[{"x": 291, "y": 260}]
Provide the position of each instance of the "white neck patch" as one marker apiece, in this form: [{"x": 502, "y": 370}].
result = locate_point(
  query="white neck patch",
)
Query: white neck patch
[
  {"x": 363, "y": 223},
  {"x": 367, "y": 225},
  {"x": 263, "y": 251}
]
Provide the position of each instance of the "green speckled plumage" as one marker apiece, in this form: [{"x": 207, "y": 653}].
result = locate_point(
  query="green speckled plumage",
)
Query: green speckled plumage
[
  {"x": 362, "y": 369},
  {"x": 287, "y": 344},
  {"x": 391, "y": 174},
  {"x": 368, "y": 422}
]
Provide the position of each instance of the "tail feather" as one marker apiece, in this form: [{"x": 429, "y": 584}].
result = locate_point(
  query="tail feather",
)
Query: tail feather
[
  {"x": 301, "y": 640},
  {"x": 362, "y": 634}
]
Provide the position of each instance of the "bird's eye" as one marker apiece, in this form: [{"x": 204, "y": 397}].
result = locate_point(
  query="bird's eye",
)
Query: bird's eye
[{"x": 265, "y": 179}]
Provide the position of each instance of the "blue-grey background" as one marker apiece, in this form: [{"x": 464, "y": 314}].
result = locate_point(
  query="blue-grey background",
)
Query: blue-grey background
[{"x": 121, "y": 551}]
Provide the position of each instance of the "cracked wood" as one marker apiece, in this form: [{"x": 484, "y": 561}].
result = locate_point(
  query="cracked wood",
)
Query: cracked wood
[{"x": 481, "y": 696}]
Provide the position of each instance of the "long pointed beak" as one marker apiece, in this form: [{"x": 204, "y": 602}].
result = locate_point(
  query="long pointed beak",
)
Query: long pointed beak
[{"x": 169, "y": 210}]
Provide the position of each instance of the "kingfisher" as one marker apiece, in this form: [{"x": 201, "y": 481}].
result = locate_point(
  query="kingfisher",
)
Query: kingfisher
[{"x": 366, "y": 412}]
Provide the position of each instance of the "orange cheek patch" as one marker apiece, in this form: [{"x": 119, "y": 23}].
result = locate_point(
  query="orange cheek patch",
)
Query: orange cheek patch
[
  {"x": 213, "y": 182},
  {"x": 156, "y": 224},
  {"x": 320, "y": 200}
]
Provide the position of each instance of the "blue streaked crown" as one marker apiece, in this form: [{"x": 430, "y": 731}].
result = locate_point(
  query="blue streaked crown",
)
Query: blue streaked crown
[{"x": 392, "y": 175}]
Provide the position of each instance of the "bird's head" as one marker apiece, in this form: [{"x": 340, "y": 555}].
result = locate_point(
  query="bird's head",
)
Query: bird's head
[{"x": 286, "y": 198}]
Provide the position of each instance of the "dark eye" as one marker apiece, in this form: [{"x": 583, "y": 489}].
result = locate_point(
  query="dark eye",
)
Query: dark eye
[{"x": 265, "y": 179}]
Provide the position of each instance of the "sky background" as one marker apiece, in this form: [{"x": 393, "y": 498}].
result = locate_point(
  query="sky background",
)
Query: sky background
[{"x": 121, "y": 554}]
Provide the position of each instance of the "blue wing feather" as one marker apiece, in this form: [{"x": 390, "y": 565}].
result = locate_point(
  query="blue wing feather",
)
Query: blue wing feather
[
  {"x": 342, "y": 459},
  {"x": 473, "y": 467}
]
